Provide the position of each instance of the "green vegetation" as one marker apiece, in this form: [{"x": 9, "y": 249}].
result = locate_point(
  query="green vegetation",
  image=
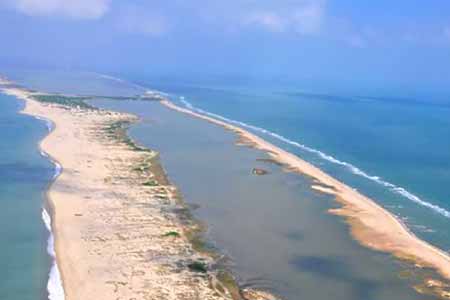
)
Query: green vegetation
[
  {"x": 172, "y": 234},
  {"x": 130, "y": 98},
  {"x": 150, "y": 183},
  {"x": 230, "y": 284},
  {"x": 70, "y": 101},
  {"x": 118, "y": 130},
  {"x": 198, "y": 266},
  {"x": 142, "y": 167}
]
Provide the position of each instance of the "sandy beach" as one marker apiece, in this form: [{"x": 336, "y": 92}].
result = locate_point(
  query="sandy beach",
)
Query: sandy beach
[
  {"x": 119, "y": 233},
  {"x": 122, "y": 232},
  {"x": 370, "y": 224}
]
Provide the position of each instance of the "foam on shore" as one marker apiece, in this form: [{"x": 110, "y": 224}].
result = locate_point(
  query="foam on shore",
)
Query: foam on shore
[
  {"x": 54, "y": 284},
  {"x": 370, "y": 224},
  {"x": 355, "y": 170},
  {"x": 350, "y": 167}
]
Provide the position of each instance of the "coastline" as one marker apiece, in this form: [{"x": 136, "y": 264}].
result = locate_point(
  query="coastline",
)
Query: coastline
[
  {"x": 114, "y": 222},
  {"x": 55, "y": 287},
  {"x": 370, "y": 224},
  {"x": 359, "y": 211}
]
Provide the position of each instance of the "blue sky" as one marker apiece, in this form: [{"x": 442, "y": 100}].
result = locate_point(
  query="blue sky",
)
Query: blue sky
[{"x": 380, "y": 43}]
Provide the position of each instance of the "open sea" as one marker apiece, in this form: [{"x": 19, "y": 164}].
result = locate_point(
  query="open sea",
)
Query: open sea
[
  {"x": 24, "y": 177},
  {"x": 394, "y": 150}
]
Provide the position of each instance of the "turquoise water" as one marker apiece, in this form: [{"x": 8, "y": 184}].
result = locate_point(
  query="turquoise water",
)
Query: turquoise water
[
  {"x": 395, "y": 150},
  {"x": 273, "y": 228},
  {"x": 24, "y": 175}
]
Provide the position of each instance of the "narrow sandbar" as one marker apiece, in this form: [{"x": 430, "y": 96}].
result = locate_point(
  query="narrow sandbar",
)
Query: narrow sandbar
[
  {"x": 371, "y": 225},
  {"x": 114, "y": 215}
]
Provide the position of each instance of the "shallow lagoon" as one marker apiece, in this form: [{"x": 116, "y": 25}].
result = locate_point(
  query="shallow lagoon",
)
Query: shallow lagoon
[{"x": 274, "y": 228}]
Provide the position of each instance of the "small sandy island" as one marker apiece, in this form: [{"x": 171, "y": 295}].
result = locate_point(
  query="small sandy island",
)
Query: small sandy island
[
  {"x": 121, "y": 231},
  {"x": 370, "y": 224}
]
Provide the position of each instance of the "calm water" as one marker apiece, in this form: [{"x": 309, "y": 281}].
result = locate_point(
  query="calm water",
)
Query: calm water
[
  {"x": 274, "y": 228},
  {"x": 394, "y": 150},
  {"x": 24, "y": 175}
]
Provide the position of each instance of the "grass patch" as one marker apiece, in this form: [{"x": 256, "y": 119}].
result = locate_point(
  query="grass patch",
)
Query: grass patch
[
  {"x": 118, "y": 130},
  {"x": 71, "y": 101},
  {"x": 150, "y": 183},
  {"x": 142, "y": 168},
  {"x": 228, "y": 281},
  {"x": 172, "y": 234},
  {"x": 198, "y": 266}
]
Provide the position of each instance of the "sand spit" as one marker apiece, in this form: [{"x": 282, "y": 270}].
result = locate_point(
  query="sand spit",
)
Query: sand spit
[
  {"x": 115, "y": 217},
  {"x": 370, "y": 224}
]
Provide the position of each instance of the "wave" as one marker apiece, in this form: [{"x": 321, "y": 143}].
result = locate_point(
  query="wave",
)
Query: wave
[
  {"x": 137, "y": 86},
  {"x": 48, "y": 123},
  {"x": 54, "y": 284},
  {"x": 58, "y": 170},
  {"x": 353, "y": 169}
]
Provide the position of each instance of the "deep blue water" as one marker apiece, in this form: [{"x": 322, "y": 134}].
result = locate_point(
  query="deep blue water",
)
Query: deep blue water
[{"x": 24, "y": 176}]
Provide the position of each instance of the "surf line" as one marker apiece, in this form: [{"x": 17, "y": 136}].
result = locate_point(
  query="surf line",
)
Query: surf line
[
  {"x": 353, "y": 169},
  {"x": 55, "y": 287}
]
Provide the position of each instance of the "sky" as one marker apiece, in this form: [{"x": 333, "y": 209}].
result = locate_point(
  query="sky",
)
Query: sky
[{"x": 402, "y": 43}]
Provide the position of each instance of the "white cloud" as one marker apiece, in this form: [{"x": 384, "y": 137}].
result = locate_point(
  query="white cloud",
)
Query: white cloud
[
  {"x": 76, "y": 9},
  {"x": 308, "y": 19},
  {"x": 304, "y": 17},
  {"x": 267, "y": 20},
  {"x": 133, "y": 20}
]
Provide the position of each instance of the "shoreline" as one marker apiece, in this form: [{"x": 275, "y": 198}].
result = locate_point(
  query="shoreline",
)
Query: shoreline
[
  {"x": 177, "y": 268},
  {"x": 370, "y": 224},
  {"x": 55, "y": 285}
]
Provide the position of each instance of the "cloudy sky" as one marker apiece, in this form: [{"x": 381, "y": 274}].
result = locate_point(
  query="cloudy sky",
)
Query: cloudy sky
[{"x": 402, "y": 42}]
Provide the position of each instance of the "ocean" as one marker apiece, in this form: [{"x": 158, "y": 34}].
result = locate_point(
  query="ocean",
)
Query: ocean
[
  {"x": 395, "y": 150},
  {"x": 25, "y": 175},
  {"x": 273, "y": 230}
]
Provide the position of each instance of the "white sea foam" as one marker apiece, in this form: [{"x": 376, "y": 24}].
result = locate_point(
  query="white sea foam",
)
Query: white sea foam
[
  {"x": 109, "y": 77},
  {"x": 54, "y": 284},
  {"x": 58, "y": 170},
  {"x": 355, "y": 170},
  {"x": 48, "y": 123}
]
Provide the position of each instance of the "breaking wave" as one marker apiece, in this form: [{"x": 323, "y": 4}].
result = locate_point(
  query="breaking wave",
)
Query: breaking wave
[
  {"x": 54, "y": 284},
  {"x": 355, "y": 170}
]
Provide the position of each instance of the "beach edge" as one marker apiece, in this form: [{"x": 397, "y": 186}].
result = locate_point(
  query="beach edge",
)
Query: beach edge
[{"x": 370, "y": 224}]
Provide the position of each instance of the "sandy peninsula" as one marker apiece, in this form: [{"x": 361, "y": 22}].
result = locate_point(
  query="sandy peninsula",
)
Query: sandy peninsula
[
  {"x": 370, "y": 224},
  {"x": 121, "y": 231}
]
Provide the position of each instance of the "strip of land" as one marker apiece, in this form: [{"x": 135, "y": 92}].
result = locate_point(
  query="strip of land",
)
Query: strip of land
[
  {"x": 121, "y": 231},
  {"x": 370, "y": 224}
]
